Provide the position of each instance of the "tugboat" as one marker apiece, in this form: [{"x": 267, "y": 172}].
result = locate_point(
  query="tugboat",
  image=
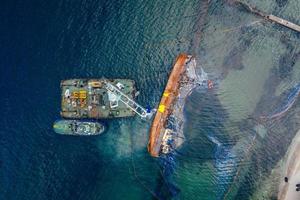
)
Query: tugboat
[{"x": 75, "y": 127}]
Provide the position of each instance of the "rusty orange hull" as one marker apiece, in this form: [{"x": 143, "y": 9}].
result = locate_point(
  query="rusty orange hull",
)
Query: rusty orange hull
[{"x": 165, "y": 107}]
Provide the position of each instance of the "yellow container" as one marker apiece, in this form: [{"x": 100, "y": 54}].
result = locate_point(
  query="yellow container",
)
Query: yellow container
[
  {"x": 75, "y": 95},
  {"x": 166, "y": 94},
  {"x": 161, "y": 108},
  {"x": 82, "y": 94},
  {"x": 95, "y": 84}
]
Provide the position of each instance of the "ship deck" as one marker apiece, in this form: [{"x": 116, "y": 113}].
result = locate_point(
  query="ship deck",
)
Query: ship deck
[{"x": 88, "y": 98}]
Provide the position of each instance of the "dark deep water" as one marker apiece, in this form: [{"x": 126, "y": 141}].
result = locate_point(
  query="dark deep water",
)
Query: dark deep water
[{"x": 43, "y": 42}]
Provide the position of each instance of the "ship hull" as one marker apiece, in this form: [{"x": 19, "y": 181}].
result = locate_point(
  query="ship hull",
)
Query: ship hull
[
  {"x": 168, "y": 98},
  {"x": 75, "y": 127}
]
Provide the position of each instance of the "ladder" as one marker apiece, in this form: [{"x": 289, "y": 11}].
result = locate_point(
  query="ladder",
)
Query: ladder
[{"x": 138, "y": 109}]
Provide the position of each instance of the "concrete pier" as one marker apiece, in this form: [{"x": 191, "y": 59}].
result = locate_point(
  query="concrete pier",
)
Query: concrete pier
[
  {"x": 271, "y": 17},
  {"x": 283, "y": 22}
]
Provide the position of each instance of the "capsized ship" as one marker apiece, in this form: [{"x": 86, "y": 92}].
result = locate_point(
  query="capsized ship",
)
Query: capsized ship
[
  {"x": 98, "y": 98},
  {"x": 75, "y": 127},
  {"x": 166, "y": 132}
]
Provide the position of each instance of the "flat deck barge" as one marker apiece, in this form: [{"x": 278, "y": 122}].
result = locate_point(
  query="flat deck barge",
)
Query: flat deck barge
[
  {"x": 96, "y": 98},
  {"x": 157, "y": 130}
]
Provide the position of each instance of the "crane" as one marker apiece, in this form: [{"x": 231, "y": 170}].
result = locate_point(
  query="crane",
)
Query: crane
[{"x": 120, "y": 96}]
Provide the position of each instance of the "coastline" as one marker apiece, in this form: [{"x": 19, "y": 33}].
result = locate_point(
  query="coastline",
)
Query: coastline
[{"x": 287, "y": 190}]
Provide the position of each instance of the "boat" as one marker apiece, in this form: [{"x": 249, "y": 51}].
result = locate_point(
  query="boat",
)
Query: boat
[
  {"x": 158, "y": 130},
  {"x": 97, "y": 98},
  {"x": 75, "y": 127},
  {"x": 166, "y": 132}
]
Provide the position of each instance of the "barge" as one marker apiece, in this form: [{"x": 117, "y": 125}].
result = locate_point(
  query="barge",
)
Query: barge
[{"x": 97, "y": 98}]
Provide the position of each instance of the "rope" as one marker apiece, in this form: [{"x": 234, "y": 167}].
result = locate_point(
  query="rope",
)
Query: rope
[
  {"x": 139, "y": 180},
  {"x": 135, "y": 174}
]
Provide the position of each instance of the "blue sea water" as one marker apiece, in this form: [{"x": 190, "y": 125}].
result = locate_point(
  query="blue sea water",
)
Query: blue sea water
[{"x": 43, "y": 42}]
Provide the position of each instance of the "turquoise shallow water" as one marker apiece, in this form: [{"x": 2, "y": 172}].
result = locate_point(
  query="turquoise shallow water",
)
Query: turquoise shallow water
[{"x": 228, "y": 154}]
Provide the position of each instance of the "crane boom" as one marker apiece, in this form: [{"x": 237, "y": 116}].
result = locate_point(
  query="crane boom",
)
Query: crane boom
[{"x": 138, "y": 109}]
